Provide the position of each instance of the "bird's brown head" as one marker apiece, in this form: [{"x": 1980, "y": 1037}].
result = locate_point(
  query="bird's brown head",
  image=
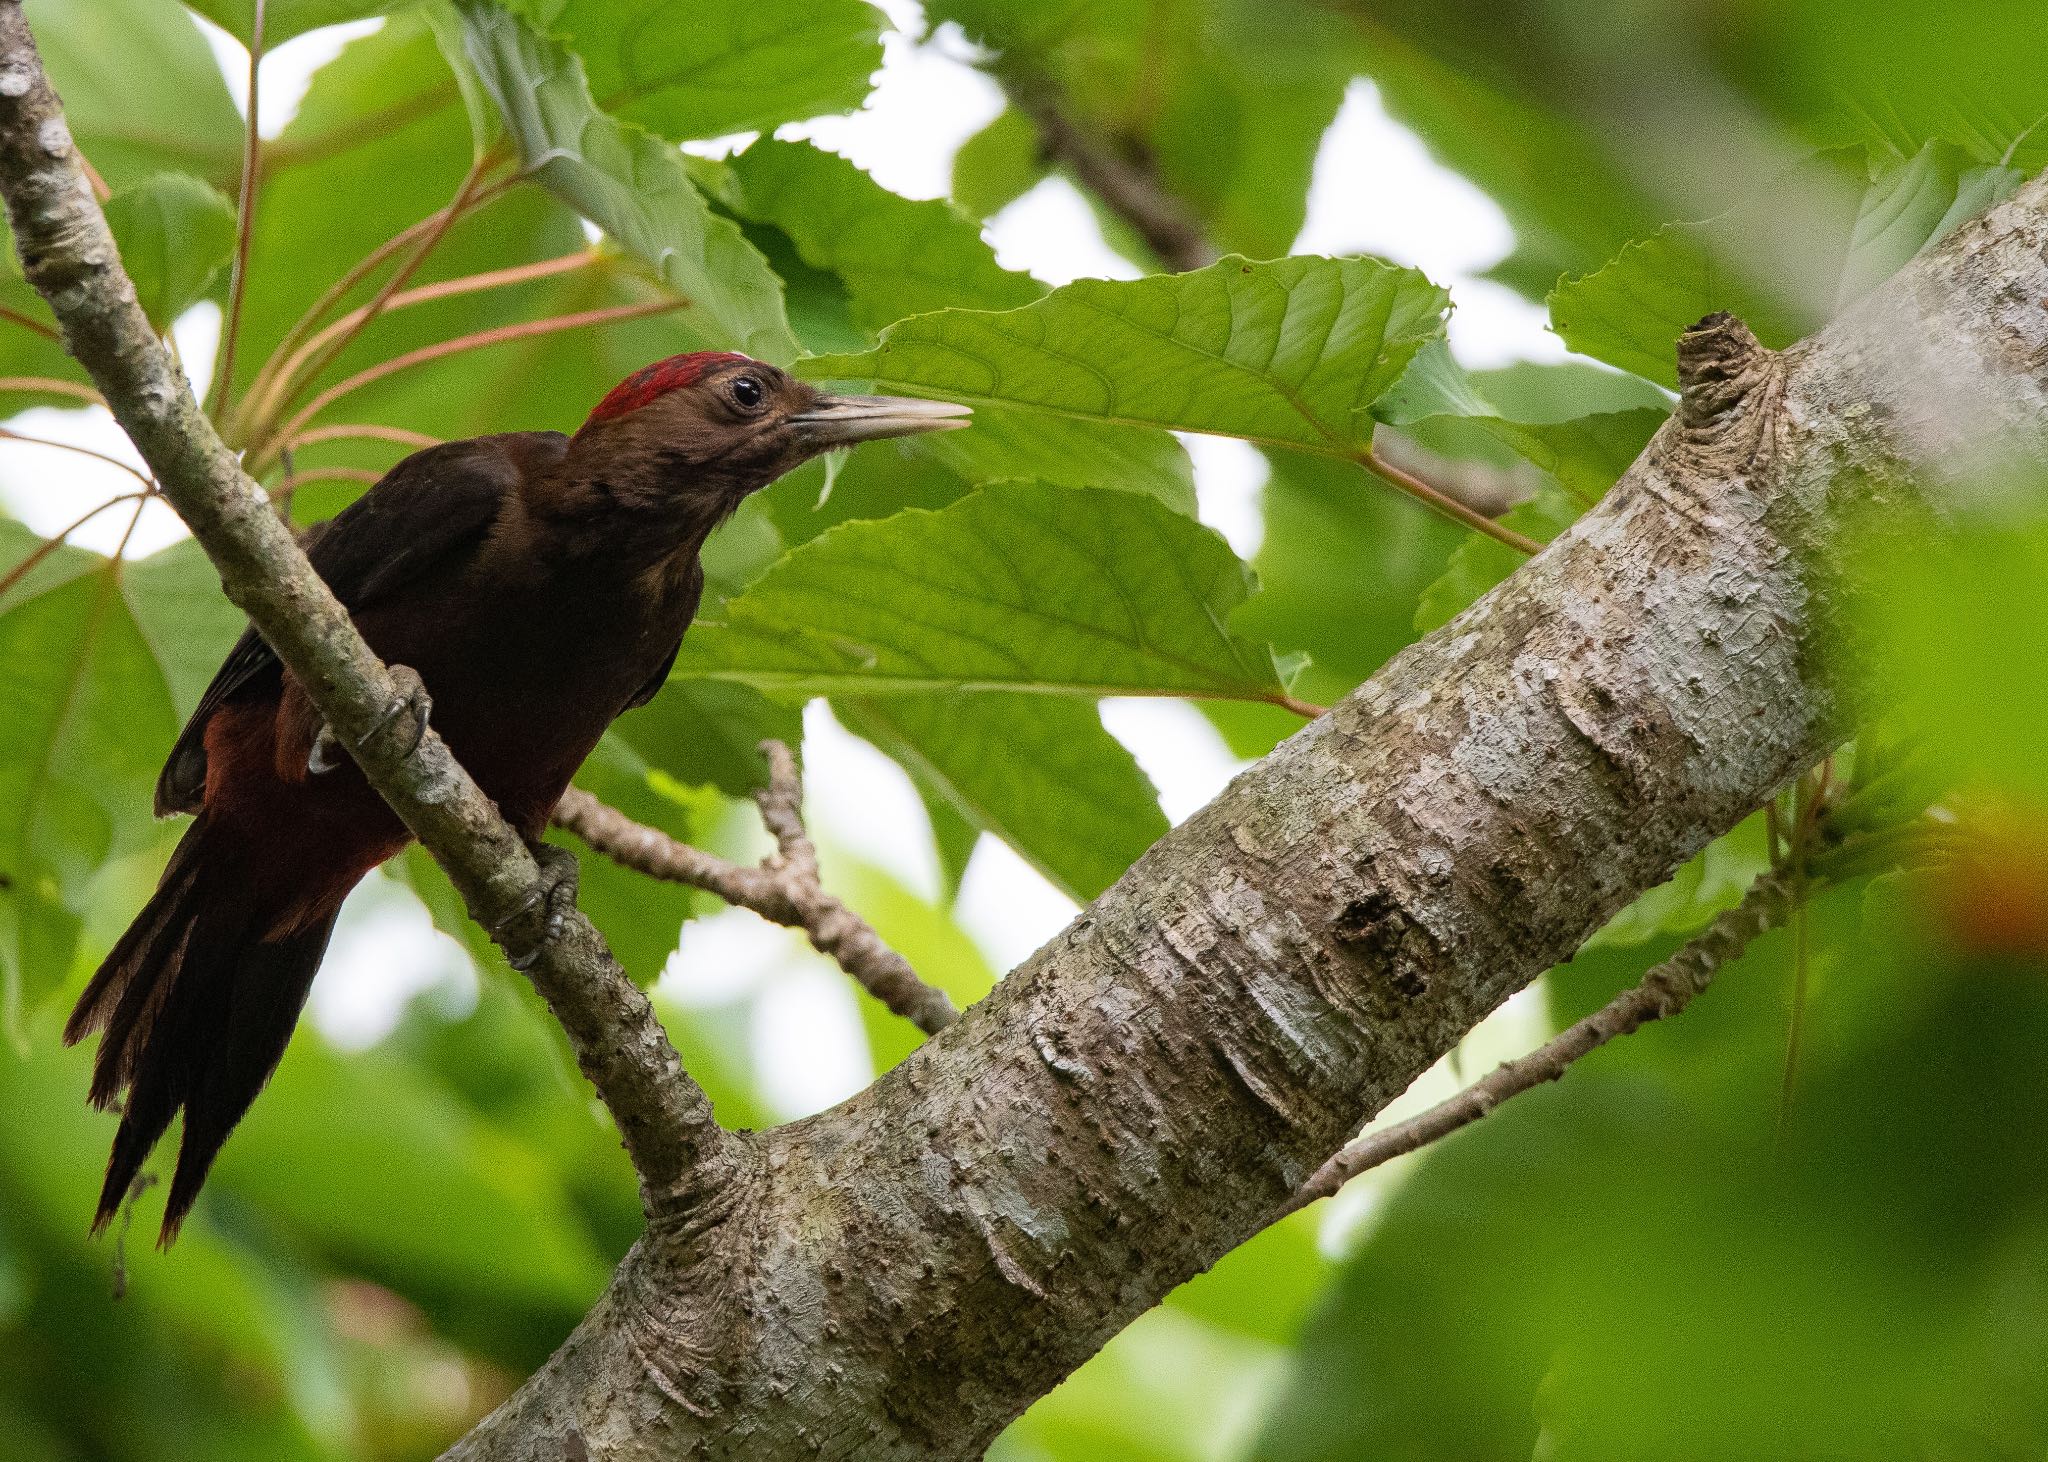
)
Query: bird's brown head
[{"x": 714, "y": 427}]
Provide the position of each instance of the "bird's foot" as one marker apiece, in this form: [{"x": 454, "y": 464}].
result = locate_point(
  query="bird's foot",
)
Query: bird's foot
[
  {"x": 413, "y": 703},
  {"x": 554, "y": 896}
]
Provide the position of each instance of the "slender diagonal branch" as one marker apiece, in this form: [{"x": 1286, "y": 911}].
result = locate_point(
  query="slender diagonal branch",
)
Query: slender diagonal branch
[
  {"x": 1130, "y": 188},
  {"x": 784, "y": 889},
  {"x": 1666, "y": 990},
  {"x": 69, "y": 256}
]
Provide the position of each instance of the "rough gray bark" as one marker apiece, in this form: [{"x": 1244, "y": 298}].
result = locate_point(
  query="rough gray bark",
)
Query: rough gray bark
[{"x": 899, "y": 1277}]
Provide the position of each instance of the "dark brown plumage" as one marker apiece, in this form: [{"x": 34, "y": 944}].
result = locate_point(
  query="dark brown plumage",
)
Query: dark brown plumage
[{"x": 540, "y": 585}]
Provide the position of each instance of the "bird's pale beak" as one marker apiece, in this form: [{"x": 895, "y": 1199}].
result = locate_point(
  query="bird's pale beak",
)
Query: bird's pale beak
[{"x": 841, "y": 421}]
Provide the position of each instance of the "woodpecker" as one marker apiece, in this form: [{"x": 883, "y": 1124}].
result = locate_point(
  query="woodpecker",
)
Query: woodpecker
[{"x": 529, "y": 587}]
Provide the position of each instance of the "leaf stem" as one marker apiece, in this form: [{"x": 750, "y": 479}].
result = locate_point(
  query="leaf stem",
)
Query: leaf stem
[
  {"x": 263, "y": 391},
  {"x": 329, "y": 343},
  {"x": 267, "y": 455},
  {"x": 348, "y": 326},
  {"x": 245, "y": 225},
  {"x": 9, "y": 434},
  {"x": 365, "y": 431},
  {"x": 1444, "y": 503},
  {"x": 50, "y": 545},
  {"x": 51, "y": 385},
  {"x": 1307, "y": 710},
  {"x": 29, "y": 322}
]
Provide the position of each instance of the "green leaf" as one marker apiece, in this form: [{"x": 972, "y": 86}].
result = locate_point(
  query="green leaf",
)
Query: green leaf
[
  {"x": 998, "y": 165},
  {"x": 187, "y": 621},
  {"x": 1480, "y": 562},
  {"x": 1290, "y": 353},
  {"x": 1341, "y": 569},
  {"x": 730, "y": 68},
  {"x": 1444, "y": 407},
  {"x": 380, "y": 142},
  {"x": 1571, "y": 199},
  {"x": 175, "y": 234},
  {"x": 1649, "y": 1260},
  {"x": 628, "y": 182},
  {"x": 283, "y": 19},
  {"x": 1013, "y": 442},
  {"x": 372, "y": 1163},
  {"x": 124, "y": 69},
  {"x": 1039, "y": 772},
  {"x": 709, "y": 733},
  {"x": 1714, "y": 879},
  {"x": 896, "y": 257},
  {"x": 1785, "y": 260},
  {"x": 1019, "y": 586},
  {"x": 1227, "y": 100},
  {"x": 641, "y": 917},
  {"x": 923, "y": 933},
  {"x": 85, "y": 717}
]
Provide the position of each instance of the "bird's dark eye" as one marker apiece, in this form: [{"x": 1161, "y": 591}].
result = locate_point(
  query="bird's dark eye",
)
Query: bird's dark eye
[{"x": 747, "y": 392}]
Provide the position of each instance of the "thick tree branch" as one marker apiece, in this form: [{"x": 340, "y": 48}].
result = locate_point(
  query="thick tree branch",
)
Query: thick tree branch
[
  {"x": 784, "y": 889},
  {"x": 70, "y": 258},
  {"x": 1666, "y": 990},
  {"x": 911, "y": 1269}
]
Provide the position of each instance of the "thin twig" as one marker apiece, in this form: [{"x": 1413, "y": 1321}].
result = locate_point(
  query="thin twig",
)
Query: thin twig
[
  {"x": 29, "y": 322},
  {"x": 783, "y": 889},
  {"x": 1667, "y": 989},
  {"x": 245, "y": 225},
  {"x": 482, "y": 338},
  {"x": 51, "y": 386},
  {"x": 50, "y": 545},
  {"x": 364, "y": 431},
  {"x": 295, "y": 480},
  {"x": 11, "y": 435},
  {"x": 1444, "y": 503},
  {"x": 303, "y": 365}
]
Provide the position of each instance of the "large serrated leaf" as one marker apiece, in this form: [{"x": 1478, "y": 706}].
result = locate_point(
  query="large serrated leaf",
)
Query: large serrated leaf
[
  {"x": 1290, "y": 353},
  {"x": 627, "y": 181},
  {"x": 1020, "y": 586},
  {"x": 729, "y": 68},
  {"x": 895, "y": 257}
]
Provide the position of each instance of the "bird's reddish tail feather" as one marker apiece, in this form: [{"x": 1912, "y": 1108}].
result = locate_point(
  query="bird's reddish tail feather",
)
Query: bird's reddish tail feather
[{"x": 195, "y": 1007}]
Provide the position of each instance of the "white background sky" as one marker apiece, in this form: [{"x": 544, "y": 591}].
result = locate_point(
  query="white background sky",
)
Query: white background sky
[{"x": 1375, "y": 191}]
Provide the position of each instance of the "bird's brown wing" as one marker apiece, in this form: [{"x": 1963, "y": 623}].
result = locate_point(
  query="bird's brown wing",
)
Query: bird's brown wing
[{"x": 434, "y": 507}]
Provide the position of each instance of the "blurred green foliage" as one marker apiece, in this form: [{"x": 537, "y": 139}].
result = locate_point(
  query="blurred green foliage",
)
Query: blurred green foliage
[{"x": 1659, "y": 1258}]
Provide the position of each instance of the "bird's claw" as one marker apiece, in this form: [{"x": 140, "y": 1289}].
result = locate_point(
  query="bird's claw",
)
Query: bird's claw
[
  {"x": 413, "y": 701},
  {"x": 554, "y": 895}
]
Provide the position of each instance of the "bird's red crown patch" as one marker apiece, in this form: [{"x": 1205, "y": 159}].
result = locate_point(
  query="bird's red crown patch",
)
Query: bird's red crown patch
[{"x": 660, "y": 378}]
